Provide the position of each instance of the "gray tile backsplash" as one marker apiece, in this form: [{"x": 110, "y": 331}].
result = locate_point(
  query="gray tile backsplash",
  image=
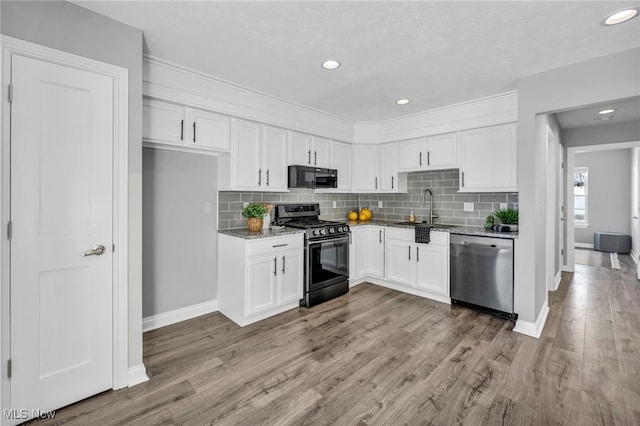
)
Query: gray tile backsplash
[{"x": 447, "y": 203}]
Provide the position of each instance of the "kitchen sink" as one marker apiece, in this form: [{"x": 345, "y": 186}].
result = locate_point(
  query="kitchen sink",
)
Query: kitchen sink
[{"x": 435, "y": 225}]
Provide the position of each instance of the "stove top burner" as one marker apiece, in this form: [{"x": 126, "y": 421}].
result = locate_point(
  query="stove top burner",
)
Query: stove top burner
[{"x": 310, "y": 223}]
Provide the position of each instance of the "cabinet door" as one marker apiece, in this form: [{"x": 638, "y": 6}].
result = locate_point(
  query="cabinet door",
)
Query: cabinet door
[
  {"x": 488, "y": 159},
  {"x": 299, "y": 149},
  {"x": 388, "y": 168},
  {"x": 274, "y": 154},
  {"x": 261, "y": 284},
  {"x": 246, "y": 156},
  {"x": 365, "y": 168},
  {"x": 208, "y": 130},
  {"x": 400, "y": 262},
  {"x": 290, "y": 284},
  {"x": 411, "y": 155},
  {"x": 163, "y": 122},
  {"x": 358, "y": 253},
  {"x": 432, "y": 268},
  {"x": 341, "y": 161},
  {"x": 442, "y": 152},
  {"x": 375, "y": 251},
  {"x": 321, "y": 153}
]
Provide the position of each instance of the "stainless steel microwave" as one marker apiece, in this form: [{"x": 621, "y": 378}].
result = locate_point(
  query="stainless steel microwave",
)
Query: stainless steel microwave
[{"x": 312, "y": 177}]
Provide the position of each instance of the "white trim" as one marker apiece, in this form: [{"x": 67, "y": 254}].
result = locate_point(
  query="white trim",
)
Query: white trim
[
  {"x": 120, "y": 199},
  {"x": 582, "y": 225},
  {"x": 557, "y": 281},
  {"x": 401, "y": 288},
  {"x": 534, "y": 329},
  {"x": 583, "y": 245},
  {"x": 178, "y": 315},
  {"x": 137, "y": 374}
]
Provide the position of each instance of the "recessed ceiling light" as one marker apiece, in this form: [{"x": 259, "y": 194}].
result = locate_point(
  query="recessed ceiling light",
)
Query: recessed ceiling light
[
  {"x": 330, "y": 64},
  {"x": 620, "y": 16},
  {"x": 606, "y": 111},
  {"x": 403, "y": 101}
]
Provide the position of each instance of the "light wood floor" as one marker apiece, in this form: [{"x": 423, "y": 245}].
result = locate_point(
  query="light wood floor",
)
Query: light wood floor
[{"x": 381, "y": 357}]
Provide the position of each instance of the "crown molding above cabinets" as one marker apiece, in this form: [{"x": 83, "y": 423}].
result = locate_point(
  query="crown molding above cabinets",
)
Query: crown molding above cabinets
[
  {"x": 170, "y": 82},
  {"x": 489, "y": 111}
]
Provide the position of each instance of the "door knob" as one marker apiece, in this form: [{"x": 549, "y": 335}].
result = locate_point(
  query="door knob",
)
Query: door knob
[{"x": 96, "y": 251}]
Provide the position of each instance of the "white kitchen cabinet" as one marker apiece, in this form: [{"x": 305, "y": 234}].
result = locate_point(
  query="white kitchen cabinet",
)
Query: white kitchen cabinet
[
  {"x": 390, "y": 180},
  {"x": 259, "y": 278},
  {"x": 429, "y": 153},
  {"x": 170, "y": 126},
  {"x": 306, "y": 150},
  {"x": 341, "y": 161},
  {"x": 365, "y": 168},
  {"x": 488, "y": 159},
  {"x": 258, "y": 157},
  {"x": 366, "y": 256},
  {"x": 420, "y": 266}
]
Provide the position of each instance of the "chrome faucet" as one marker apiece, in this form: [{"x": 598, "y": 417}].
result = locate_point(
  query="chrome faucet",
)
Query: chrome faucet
[{"x": 424, "y": 193}]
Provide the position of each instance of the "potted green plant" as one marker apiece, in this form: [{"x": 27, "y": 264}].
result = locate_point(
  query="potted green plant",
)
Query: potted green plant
[
  {"x": 509, "y": 217},
  {"x": 254, "y": 214}
]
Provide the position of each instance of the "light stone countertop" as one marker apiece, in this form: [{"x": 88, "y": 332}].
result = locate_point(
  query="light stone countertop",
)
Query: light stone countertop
[
  {"x": 461, "y": 230},
  {"x": 244, "y": 233}
]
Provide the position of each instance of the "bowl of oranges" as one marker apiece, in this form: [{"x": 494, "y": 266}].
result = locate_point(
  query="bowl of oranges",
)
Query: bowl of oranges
[{"x": 363, "y": 215}]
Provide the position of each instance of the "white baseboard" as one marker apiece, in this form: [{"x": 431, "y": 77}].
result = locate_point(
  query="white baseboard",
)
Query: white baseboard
[
  {"x": 137, "y": 375},
  {"x": 583, "y": 245},
  {"x": 534, "y": 329},
  {"x": 634, "y": 256},
  {"x": 557, "y": 281},
  {"x": 177, "y": 315}
]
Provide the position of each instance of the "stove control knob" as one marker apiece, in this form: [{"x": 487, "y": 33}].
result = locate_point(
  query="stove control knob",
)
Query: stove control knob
[
  {"x": 332, "y": 230},
  {"x": 340, "y": 229},
  {"x": 315, "y": 232},
  {"x": 323, "y": 231}
]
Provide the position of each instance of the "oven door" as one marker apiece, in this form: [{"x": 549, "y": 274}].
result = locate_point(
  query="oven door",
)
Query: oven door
[{"x": 327, "y": 262}]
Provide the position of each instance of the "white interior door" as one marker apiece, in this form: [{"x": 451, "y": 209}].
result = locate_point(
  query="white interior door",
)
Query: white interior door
[
  {"x": 61, "y": 207},
  {"x": 562, "y": 213}
]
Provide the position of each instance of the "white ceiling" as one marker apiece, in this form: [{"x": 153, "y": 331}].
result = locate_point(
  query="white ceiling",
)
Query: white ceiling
[
  {"x": 436, "y": 53},
  {"x": 625, "y": 110}
]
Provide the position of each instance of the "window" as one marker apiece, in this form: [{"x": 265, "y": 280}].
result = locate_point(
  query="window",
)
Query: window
[{"x": 580, "y": 196}]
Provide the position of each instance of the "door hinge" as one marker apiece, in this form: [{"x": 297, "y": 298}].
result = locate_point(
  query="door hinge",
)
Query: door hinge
[
  {"x": 113, "y": 248},
  {"x": 11, "y": 93},
  {"x": 9, "y": 230},
  {"x": 9, "y": 365},
  {"x": 562, "y": 251}
]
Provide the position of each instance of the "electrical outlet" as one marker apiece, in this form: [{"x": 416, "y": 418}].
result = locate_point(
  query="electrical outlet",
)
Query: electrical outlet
[
  {"x": 207, "y": 207},
  {"x": 468, "y": 207},
  {"x": 503, "y": 206},
  {"x": 380, "y": 204},
  {"x": 335, "y": 204},
  {"x": 245, "y": 204}
]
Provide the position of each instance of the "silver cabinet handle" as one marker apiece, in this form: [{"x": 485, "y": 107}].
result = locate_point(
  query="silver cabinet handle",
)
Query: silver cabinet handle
[
  {"x": 309, "y": 154},
  {"x": 417, "y": 254},
  {"x": 280, "y": 245},
  {"x": 421, "y": 158},
  {"x": 463, "y": 179},
  {"x": 391, "y": 182},
  {"x": 376, "y": 182},
  {"x": 181, "y": 130},
  {"x": 380, "y": 231},
  {"x": 283, "y": 264},
  {"x": 275, "y": 265},
  {"x": 428, "y": 158},
  {"x": 315, "y": 158},
  {"x": 267, "y": 177},
  {"x": 635, "y": 217},
  {"x": 194, "y": 132},
  {"x": 95, "y": 251},
  {"x": 409, "y": 252},
  {"x": 259, "y": 177}
]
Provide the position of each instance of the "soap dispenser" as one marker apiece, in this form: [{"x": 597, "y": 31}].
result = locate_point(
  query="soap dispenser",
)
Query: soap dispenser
[{"x": 412, "y": 217}]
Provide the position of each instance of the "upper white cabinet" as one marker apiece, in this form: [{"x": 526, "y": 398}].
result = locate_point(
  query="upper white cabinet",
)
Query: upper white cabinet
[
  {"x": 430, "y": 153},
  {"x": 365, "y": 168},
  {"x": 488, "y": 159},
  {"x": 390, "y": 180},
  {"x": 341, "y": 161},
  {"x": 306, "y": 150},
  {"x": 258, "y": 157},
  {"x": 171, "y": 126}
]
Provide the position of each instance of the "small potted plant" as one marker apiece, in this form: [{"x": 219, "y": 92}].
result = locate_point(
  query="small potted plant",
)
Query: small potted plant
[
  {"x": 254, "y": 214},
  {"x": 508, "y": 217}
]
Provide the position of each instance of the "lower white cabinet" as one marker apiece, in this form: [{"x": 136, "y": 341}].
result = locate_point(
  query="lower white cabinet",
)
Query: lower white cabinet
[
  {"x": 366, "y": 257},
  {"x": 420, "y": 266},
  {"x": 259, "y": 278}
]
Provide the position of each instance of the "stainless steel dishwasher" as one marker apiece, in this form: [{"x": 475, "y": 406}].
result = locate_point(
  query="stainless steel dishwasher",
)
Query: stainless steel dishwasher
[{"x": 482, "y": 273}]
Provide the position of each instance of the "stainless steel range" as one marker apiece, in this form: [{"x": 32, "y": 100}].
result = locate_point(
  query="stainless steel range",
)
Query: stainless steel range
[{"x": 326, "y": 246}]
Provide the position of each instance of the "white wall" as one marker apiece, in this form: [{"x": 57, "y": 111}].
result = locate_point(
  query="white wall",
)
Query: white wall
[
  {"x": 629, "y": 131},
  {"x": 609, "y": 189},
  {"x": 179, "y": 237},
  {"x": 70, "y": 28},
  {"x": 598, "y": 80}
]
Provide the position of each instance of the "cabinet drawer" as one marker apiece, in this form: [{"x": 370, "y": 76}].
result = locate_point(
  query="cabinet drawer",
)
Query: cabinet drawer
[
  {"x": 273, "y": 245},
  {"x": 436, "y": 237},
  {"x": 439, "y": 238}
]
